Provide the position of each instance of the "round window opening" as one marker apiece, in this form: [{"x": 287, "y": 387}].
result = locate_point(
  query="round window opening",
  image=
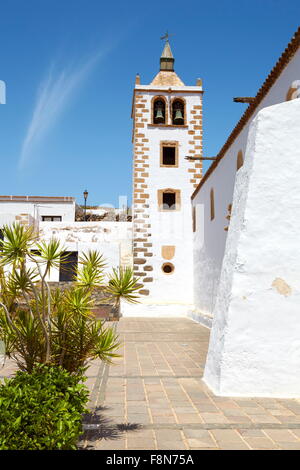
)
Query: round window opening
[{"x": 168, "y": 268}]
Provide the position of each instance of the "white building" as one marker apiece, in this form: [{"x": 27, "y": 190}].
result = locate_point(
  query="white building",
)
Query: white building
[
  {"x": 33, "y": 210},
  {"x": 214, "y": 194},
  {"x": 231, "y": 258},
  {"x": 167, "y": 126},
  {"x": 54, "y": 217},
  {"x": 112, "y": 239},
  {"x": 245, "y": 267},
  {"x": 246, "y": 244}
]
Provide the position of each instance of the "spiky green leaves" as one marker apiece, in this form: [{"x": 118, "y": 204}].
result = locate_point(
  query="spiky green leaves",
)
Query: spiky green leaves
[
  {"x": 39, "y": 324},
  {"x": 90, "y": 273},
  {"x": 93, "y": 259},
  {"x": 16, "y": 245},
  {"x": 50, "y": 253},
  {"x": 78, "y": 300},
  {"x": 123, "y": 285}
]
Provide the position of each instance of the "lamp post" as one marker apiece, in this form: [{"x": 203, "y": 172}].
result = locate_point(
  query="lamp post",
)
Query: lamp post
[{"x": 85, "y": 195}]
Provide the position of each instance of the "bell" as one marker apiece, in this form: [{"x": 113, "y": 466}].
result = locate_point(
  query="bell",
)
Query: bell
[
  {"x": 159, "y": 117},
  {"x": 178, "y": 119}
]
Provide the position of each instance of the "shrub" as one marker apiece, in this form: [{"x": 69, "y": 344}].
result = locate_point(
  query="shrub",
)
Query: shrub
[
  {"x": 42, "y": 410},
  {"x": 39, "y": 325}
]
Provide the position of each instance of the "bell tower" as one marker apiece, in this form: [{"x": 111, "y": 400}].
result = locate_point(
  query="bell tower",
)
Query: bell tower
[{"x": 167, "y": 127}]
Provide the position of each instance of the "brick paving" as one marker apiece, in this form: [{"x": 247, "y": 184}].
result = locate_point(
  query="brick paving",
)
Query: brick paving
[{"x": 153, "y": 397}]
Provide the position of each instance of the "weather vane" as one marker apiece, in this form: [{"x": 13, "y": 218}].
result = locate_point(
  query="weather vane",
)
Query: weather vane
[{"x": 166, "y": 36}]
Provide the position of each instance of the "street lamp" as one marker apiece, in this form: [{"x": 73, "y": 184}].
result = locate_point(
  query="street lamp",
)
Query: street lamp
[{"x": 85, "y": 195}]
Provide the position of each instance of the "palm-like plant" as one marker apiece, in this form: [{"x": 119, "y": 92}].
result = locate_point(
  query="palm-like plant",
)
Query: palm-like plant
[
  {"x": 123, "y": 285},
  {"x": 90, "y": 272},
  {"x": 16, "y": 245},
  {"x": 38, "y": 324},
  {"x": 94, "y": 259}
]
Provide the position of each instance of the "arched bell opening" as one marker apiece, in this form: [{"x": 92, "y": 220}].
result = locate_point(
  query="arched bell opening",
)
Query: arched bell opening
[
  {"x": 159, "y": 111},
  {"x": 178, "y": 113}
]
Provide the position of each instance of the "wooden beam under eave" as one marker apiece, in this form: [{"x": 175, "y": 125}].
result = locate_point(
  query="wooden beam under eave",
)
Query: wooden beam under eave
[{"x": 244, "y": 99}]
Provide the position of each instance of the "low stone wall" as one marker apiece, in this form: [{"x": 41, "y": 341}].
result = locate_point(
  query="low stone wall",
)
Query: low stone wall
[{"x": 103, "y": 307}]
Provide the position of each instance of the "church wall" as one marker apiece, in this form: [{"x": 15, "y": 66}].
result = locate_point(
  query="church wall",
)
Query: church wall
[
  {"x": 210, "y": 236},
  {"x": 254, "y": 342}
]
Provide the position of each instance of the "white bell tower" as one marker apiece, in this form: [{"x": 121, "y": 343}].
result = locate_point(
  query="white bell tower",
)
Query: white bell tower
[{"x": 167, "y": 127}]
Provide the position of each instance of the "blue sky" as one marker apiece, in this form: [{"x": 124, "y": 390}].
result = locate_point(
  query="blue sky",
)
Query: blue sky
[{"x": 70, "y": 66}]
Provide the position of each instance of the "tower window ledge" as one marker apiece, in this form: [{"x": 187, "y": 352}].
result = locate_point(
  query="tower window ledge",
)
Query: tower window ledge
[{"x": 168, "y": 125}]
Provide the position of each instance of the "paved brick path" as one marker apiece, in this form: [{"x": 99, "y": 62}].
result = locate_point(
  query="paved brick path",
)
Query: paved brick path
[{"x": 153, "y": 397}]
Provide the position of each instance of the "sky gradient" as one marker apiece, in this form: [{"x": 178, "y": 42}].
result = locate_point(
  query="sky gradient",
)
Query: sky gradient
[{"x": 70, "y": 65}]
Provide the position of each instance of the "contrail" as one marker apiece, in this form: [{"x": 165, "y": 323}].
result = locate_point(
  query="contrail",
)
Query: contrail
[{"x": 54, "y": 94}]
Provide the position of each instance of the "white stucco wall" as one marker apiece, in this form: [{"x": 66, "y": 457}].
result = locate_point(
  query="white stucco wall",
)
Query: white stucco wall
[
  {"x": 9, "y": 209},
  {"x": 210, "y": 237},
  {"x": 254, "y": 345},
  {"x": 171, "y": 228},
  {"x": 112, "y": 239},
  {"x": 170, "y": 294}
]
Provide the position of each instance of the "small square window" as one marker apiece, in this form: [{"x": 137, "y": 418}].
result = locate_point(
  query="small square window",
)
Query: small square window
[
  {"x": 51, "y": 218},
  {"x": 169, "y": 153},
  {"x": 169, "y": 201},
  {"x": 169, "y": 156}
]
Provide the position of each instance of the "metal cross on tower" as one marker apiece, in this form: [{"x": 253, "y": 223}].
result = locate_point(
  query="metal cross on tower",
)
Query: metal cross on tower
[{"x": 166, "y": 36}]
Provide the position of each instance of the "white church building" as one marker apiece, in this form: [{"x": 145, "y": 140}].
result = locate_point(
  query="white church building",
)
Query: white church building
[
  {"x": 230, "y": 257},
  {"x": 223, "y": 248}
]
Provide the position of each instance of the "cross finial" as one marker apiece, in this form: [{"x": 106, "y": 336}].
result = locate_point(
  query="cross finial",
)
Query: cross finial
[
  {"x": 166, "y": 58},
  {"x": 166, "y": 36}
]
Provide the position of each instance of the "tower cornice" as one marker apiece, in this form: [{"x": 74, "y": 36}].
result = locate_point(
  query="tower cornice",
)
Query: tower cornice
[{"x": 169, "y": 89}]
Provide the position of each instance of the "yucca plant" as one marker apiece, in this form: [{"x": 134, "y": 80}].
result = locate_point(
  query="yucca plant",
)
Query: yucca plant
[
  {"x": 40, "y": 325},
  {"x": 122, "y": 285}
]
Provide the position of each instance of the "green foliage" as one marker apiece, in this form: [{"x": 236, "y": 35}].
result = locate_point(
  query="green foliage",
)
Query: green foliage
[
  {"x": 122, "y": 284},
  {"x": 17, "y": 243},
  {"x": 42, "y": 410},
  {"x": 50, "y": 254},
  {"x": 94, "y": 259},
  {"x": 78, "y": 300},
  {"x": 89, "y": 278},
  {"x": 19, "y": 280},
  {"x": 78, "y": 338},
  {"x": 24, "y": 341},
  {"x": 55, "y": 327},
  {"x": 90, "y": 275}
]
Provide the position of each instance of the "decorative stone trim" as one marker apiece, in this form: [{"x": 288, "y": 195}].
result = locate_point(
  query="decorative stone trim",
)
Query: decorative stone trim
[
  {"x": 168, "y": 251},
  {"x": 148, "y": 268},
  {"x": 160, "y": 193},
  {"x": 169, "y": 143},
  {"x": 162, "y": 98},
  {"x": 141, "y": 229},
  {"x": 179, "y": 98},
  {"x": 144, "y": 292}
]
